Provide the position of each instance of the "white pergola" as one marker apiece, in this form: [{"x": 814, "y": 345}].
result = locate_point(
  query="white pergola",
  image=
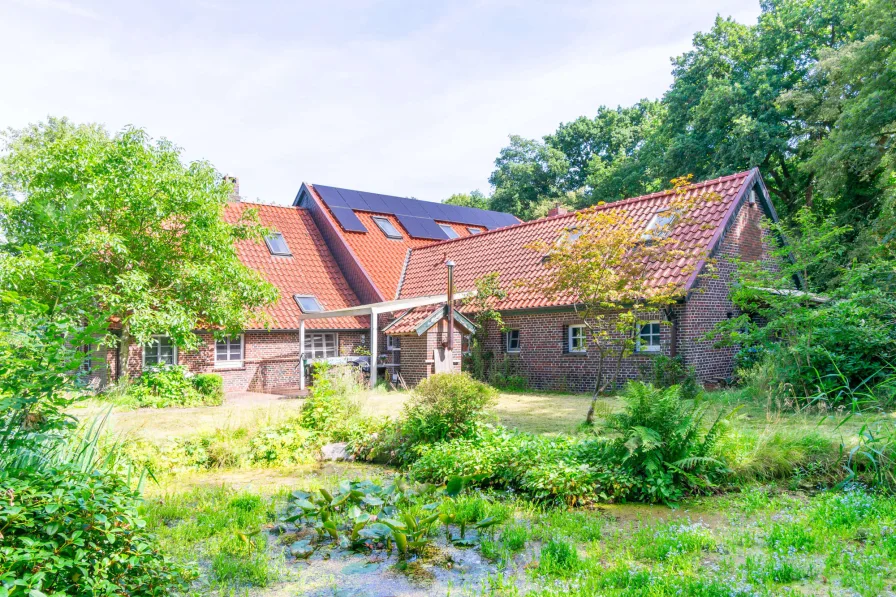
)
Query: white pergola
[{"x": 372, "y": 310}]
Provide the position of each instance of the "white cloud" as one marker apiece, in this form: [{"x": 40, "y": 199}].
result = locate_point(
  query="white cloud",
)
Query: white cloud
[{"x": 393, "y": 97}]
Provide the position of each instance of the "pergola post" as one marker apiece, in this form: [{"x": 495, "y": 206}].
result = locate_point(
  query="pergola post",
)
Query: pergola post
[
  {"x": 373, "y": 346},
  {"x": 302, "y": 355}
]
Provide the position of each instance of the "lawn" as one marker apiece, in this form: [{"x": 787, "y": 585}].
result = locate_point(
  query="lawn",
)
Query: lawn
[{"x": 761, "y": 540}]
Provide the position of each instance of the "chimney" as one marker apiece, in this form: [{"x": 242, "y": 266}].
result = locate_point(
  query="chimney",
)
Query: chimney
[
  {"x": 235, "y": 195},
  {"x": 558, "y": 210}
]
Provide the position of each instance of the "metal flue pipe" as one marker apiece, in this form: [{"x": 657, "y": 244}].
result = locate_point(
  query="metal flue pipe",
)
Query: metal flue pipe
[{"x": 450, "y": 345}]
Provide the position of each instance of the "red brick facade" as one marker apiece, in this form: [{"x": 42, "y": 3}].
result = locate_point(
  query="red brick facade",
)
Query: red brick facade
[
  {"x": 416, "y": 355},
  {"x": 270, "y": 359},
  {"x": 544, "y": 359}
]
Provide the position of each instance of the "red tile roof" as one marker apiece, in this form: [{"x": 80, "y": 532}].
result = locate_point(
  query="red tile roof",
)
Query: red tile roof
[
  {"x": 381, "y": 257},
  {"x": 407, "y": 321},
  {"x": 311, "y": 269},
  {"x": 504, "y": 250}
]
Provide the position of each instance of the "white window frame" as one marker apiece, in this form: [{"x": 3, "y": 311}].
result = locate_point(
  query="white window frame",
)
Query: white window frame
[
  {"x": 231, "y": 363},
  {"x": 449, "y": 230},
  {"x": 159, "y": 352},
  {"x": 659, "y": 337},
  {"x": 273, "y": 235},
  {"x": 309, "y": 337},
  {"x": 570, "y": 346},
  {"x": 391, "y": 343},
  {"x": 296, "y": 298},
  {"x": 508, "y": 340},
  {"x": 381, "y": 222}
]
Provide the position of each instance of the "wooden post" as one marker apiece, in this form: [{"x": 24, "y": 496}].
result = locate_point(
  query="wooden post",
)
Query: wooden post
[
  {"x": 302, "y": 354},
  {"x": 373, "y": 347}
]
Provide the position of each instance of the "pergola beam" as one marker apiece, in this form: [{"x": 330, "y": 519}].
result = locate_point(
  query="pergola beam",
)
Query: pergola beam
[{"x": 372, "y": 310}]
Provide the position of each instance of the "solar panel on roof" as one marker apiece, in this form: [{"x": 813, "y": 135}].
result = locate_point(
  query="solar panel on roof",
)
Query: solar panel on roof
[
  {"x": 347, "y": 219},
  {"x": 411, "y": 207},
  {"x": 353, "y": 199},
  {"x": 418, "y": 217},
  {"x": 421, "y": 227},
  {"x": 331, "y": 196}
]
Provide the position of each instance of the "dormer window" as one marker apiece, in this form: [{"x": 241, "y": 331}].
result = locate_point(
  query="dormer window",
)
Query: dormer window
[
  {"x": 447, "y": 229},
  {"x": 277, "y": 244},
  {"x": 308, "y": 304},
  {"x": 660, "y": 226},
  {"x": 387, "y": 227}
]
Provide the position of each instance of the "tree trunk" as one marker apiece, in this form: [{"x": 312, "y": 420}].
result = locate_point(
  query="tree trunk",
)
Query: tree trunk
[{"x": 589, "y": 418}]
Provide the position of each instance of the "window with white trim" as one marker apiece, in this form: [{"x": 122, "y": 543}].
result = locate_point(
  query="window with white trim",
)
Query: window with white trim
[
  {"x": 161, "y": 351},
  {"x": 649, "y": 337},
  {"x": 277, "y": 244},
  {"x": 513, "y": 340},
  {"x": 308, "y": 304},
  {"x": 393, "y": 343},
  {"x": 576, "y": 338},
  {"x": 388, "y": 228},
  {"x": 229, "y": 352},
  {"x": 474, "y": 230},
  {"x": 321, "y": 346},
  {"x": 466, "y": 344},
  {"x": 447, "y": 229}
]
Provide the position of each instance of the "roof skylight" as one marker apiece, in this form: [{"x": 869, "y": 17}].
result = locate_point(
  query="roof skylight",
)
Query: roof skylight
[
  {"x": 308, "y": 304},
  {"x": 277, "y": 244},
  {"x": 447, "y": 229},
  {"x": 387, "y": 227}
]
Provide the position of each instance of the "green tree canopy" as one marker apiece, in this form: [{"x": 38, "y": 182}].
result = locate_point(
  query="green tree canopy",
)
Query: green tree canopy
[{"x": 141, "y": 233}]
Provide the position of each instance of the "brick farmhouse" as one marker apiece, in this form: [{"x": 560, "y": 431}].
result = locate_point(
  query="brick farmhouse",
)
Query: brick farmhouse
[{"x": 343, "y": 251}]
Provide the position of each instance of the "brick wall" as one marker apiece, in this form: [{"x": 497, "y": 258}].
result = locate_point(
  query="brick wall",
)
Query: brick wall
[
  {"x": 710, "y": 302},
  {"x": 270, "y": 359},
  {"x": 416, "y": 355},
  {"x": 543, "y": 359}
]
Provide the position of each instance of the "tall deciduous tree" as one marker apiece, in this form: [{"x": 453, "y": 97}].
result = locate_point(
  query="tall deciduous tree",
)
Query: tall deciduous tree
[
  {"x": 527, "y": 174},
  {"x": 144, "y": 230},
  {"x": 472, "y": 199}
]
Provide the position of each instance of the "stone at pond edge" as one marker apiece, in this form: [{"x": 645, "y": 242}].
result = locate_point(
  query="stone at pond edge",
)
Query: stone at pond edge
[
  {"x": 336, "y": 451},
  {"x": 301, "y": 549}
]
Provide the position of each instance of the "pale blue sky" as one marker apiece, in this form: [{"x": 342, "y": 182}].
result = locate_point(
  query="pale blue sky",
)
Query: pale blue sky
[{"x": 405, "y": 98}]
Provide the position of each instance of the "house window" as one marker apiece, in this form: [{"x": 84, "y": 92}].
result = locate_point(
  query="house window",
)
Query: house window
[
  {"x": 229, "y": 352},
  {"x": 161, "y": 351},
  {"x": 474, "y": 230},
  {"x": 277, "y": 244},
  {"x": 466, "y": 344},
  {"x": 387, "y": 227},
  {"x": 576, "y": 338},
  {"x": 393, "y": 343},
  {"x": 659, "y": 227},
  {"x": 447, "y": 229},
  {"x": 87, "y": 360},
  {"x": 513, "y": 341},
  {"x": 321, "y": 346},
  {"x": 573, "y": 234},
  {"x": 649, "y": 337},
  {"x": 308, "y": 304}
]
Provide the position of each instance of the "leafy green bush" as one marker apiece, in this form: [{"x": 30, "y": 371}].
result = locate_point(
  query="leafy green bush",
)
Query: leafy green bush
[
  {"x": 210, "y": 386},
  {"x": 171, "y": 385},
  {"x": 330, "y": 408},
  {"x": 510, "y": 383},
  {"x": 662, "y": 443},
  {"x": 664, "y": 371},
  {"x": 445, "y": 406},
  {"x": 70, "y": 532}
]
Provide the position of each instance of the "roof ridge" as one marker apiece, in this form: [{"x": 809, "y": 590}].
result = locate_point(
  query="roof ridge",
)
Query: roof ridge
[
  {"x": 244, "y": 201},
  {"x": 627, "y": 201}
]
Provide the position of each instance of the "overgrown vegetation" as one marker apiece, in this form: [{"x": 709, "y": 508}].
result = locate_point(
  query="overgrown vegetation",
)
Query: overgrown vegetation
[{"x": 166, "y": 386}]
